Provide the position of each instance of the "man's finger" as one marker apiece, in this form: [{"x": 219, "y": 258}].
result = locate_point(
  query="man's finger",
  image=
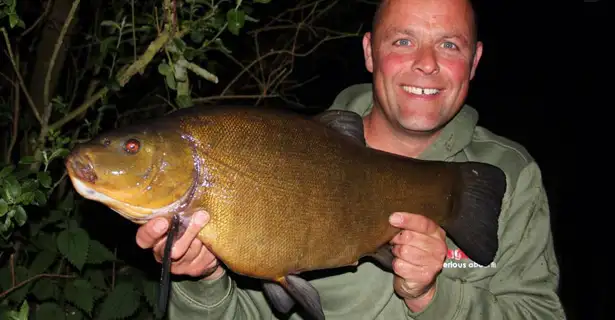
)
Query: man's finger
[
  {"x": 413, "y": 222},
  {"x": 199, "y": 219},
  {"x": 149, "y": 233}
]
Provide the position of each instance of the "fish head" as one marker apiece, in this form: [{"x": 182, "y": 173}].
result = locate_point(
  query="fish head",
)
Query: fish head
[{"x": 140, "y": 173}]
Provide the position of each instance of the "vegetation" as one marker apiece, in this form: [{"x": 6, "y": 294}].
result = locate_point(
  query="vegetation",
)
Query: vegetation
[{"x": 72, "y": 68}]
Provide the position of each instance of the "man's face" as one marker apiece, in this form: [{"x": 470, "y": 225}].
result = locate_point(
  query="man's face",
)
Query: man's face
[{"x": 421, "y": 57}]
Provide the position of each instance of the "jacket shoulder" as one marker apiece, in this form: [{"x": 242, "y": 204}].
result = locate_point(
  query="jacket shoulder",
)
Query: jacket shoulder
[{"x": 509, "y": 155}]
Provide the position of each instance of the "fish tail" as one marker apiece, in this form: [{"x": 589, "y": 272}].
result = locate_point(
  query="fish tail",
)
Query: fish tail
[{"x": 478, "y": 206}]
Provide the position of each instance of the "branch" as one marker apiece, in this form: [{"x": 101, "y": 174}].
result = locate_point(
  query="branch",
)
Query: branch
[
  {"x": 43, "y": 275},
  {"x": 56, "y": 50},
  {"x": 294, "y": 54},
  {"x": 198, "y": 70},
  {"x": 21, "y": 82},
  {"x": 122, "y": 78}
]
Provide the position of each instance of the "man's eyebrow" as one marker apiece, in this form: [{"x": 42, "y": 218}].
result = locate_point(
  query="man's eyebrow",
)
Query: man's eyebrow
[
  {"x": 462, "y": 38},
  {"x": 394, "y": 31}
]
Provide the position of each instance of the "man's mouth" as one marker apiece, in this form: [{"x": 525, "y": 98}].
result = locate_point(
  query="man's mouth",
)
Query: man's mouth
[{"x": 421, "y": 91}]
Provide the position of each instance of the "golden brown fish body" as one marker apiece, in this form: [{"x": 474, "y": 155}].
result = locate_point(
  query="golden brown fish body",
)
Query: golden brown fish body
[{"x": 285, "y": 193}]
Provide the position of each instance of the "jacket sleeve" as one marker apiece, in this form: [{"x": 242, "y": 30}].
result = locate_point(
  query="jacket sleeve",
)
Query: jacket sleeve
[
  {"x": 525, "y": 283},
  {"x": 216, "y": 299}
]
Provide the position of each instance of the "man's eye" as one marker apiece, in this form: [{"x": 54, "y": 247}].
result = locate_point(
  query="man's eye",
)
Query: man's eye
[
  {"x": 449, "y": 45},
  {"x": 402, "y": 42}
]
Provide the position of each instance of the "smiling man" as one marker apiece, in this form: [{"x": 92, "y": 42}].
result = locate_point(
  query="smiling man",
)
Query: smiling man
[{"x": 423, "y": 55}]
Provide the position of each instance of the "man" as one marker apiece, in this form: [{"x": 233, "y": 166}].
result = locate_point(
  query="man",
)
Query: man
[{"x": 422, "y": 54}]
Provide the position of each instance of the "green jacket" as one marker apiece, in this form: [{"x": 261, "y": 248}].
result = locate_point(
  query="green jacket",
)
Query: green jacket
[{"x": 520, "y": 284}]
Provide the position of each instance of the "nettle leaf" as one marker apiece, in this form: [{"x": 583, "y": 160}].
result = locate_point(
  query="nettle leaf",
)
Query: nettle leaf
[
  {"x": 46, "y": 289},
  {"x": 96, "y": 278},
  {"x": 121, "y": 303},
  {"x": 74, "y": 244},
  {"x": 150, "y": 291},
  {"x": 81, "y": 294},
  {"x": 50, "y": 310},
  {"x": 99, "y": 253},
  {"x": 6, "y": 282},
  {"x": 42, "y": 262}
]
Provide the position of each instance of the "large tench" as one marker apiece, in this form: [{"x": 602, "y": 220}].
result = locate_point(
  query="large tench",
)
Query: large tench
[{"x": 286, "y": 193}]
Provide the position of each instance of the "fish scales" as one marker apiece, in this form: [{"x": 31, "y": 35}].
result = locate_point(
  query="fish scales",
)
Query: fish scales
[{"x": 269, "y": 170}]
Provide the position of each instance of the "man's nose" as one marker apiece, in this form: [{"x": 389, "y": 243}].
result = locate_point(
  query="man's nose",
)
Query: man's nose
[{"x": 426, "y": 61}]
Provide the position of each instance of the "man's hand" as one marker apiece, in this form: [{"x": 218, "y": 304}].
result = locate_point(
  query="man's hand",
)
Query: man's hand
[
  {"x": 189, "y": 256},
  {"x": 420, "y": 251}
]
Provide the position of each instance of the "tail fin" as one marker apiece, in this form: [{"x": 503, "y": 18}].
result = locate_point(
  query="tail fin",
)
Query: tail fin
[{"x": 475, "y": 230}]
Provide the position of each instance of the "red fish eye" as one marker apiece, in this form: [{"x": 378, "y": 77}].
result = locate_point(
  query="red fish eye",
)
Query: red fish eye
[{"x": 132, "y": 146}]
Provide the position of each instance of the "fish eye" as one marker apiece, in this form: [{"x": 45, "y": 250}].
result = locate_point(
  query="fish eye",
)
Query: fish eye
[{"x": 132, "y": 146}]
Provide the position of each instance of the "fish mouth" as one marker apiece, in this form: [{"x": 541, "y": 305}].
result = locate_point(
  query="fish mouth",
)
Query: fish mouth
[
  {"x": 81, "y": 166},
  {"x": 136, "y": 214}
]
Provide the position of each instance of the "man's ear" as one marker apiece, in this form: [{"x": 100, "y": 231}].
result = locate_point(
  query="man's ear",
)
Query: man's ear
[
  {"x": 477, "y": 54},
  {"x": 367, "y": 51}
]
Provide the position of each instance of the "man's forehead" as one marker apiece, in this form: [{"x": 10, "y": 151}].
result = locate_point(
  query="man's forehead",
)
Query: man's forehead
[{"x": 449, "y": 17}]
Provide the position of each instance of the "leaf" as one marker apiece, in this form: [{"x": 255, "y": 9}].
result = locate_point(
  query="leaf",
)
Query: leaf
[
  {"x": 74, "y": 243},
  {"x": 26, "y": 198},
  {"x": 58, "y": 153},
  {"x": 13, "y": 20},
  {"x": 179, "y": 44},
  {"x": 40, "y": 198},
  {"x": 121, "y": 303},
  {"x": 42, "y": 262},
  {"x": 46, "y": 289},
  {"x": 4, "y": 207},
  {"x": 99, "y": 253},
  {"x": 50, "y": 310},
  {"x": 236, "y": 20},
  {"x": 44, "y": 179},
  {"x": 81, "y": 294},
  {"x": 197, "y": 36},
  {"x": 20, "y": 216},
  {"x": 6, "y": 171},
  {"x": 68, "y": 203},
  {"x": 96, "y": 277},
  {"x": 170, "y": 79},
  {"x": 150, "y": 291},
  {"x": 22, "y": 314},
  {"x": 164, "y": 69},
  {"x": 27, "y": 160},
  {"x": 6, "y": 282},
  {"x": 11, "y": 190}
]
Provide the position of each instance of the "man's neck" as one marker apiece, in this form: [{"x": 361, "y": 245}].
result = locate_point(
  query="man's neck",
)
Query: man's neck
[{"x": 379, "y": 134}]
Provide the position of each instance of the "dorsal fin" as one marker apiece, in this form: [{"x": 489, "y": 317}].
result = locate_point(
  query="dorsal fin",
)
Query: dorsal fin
[{"x": 347, "y": 123}]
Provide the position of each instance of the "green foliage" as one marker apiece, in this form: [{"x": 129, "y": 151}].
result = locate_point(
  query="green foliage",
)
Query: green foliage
[{"x": 55, "y": 262}]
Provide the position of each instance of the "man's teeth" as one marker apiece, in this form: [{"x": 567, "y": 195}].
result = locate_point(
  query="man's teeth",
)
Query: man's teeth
[{"x": 421, "y": 91}]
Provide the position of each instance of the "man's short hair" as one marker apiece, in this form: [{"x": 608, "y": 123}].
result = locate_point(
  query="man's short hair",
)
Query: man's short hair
[{"x": 474, "y": 26}]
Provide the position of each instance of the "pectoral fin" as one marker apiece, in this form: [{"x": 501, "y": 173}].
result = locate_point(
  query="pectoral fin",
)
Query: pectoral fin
[
  {"x": 165, "y": 273},
  {"x": 348, "y": 123},
  {"x": 279, "y": 298},
  {"x": 305, "y": 294},
  {"x": 384, "y": 256}
]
